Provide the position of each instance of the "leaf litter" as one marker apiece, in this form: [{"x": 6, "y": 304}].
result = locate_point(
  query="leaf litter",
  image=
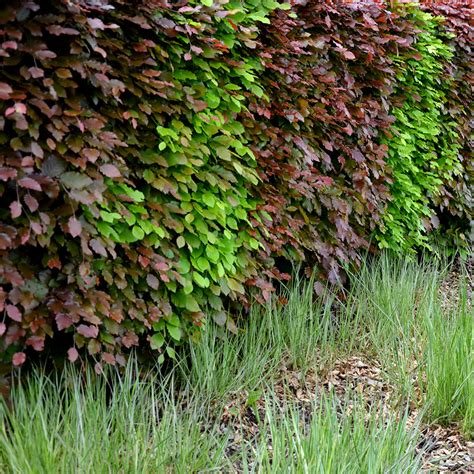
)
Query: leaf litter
[{"x": 350, "y": 380}]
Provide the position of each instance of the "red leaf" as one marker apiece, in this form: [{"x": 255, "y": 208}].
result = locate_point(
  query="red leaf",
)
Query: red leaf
[
  {"x": 54, "y": 262},
  {"x": 111, "y": 171},
  {"x": 20, "y": 108},
  {"x": 357, "y": 155},
  {"x": 3, "y": 328},
  {"x": 187, "y": 9},
  {"x": 130, "y": 339},
  {"x": 74, "y": 226},
  {"x": 45, "y": 54},
  {"x": 161, "y": 266},
  {"x": 36, "y": 150},
  {"x": 63, "y": 321},
  {"x": 59, "y": 30},
  {"x": 72, "y": 354},
  {"x": 96, "y": 23},
  {"x": 97, "y": 247},
  {"x": 36, "y": 226},
  {"x": 3, "y": 297},
  {"x": 29, "y": 183},
  {"x": 88, "y": 331},
  {"x": 10, "y": 45},
  {"x": 5, "y": 241},
  {"x": 7, "y": 173},
  {"x": 108, "y": 358},
  {"x": 5, "y": 91},
  {"x": 348, "y": 55},
  {"x": 91, "y": 154},
  {"x": 152, "y": 281},
  {"x": 15, "y": 209},
  {"x": 435, "y": 221},
  {"x": 17, "y": 108},
  {"x": 36, "y": 72},
  {"x": 19, "y": 358},
  {"x": 31, "y": 202},
  {"x": 13, "y": 312},
  {"x": 98, "y": 368},
  {"x": 36, "y": 342}
]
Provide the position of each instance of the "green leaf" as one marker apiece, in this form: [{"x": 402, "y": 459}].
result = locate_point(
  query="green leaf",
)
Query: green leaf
[
  {"x": 215, "y": 302},
  {"x": 171, "y": 352},
  {"x": 188, "y": 288},
  {"x": 212, "y": 253},
  {"x": 75, "y": 180},
  {"x": 208, "y": 199},
  {"x": 184, "y": 265},
  {"x": 191, "y": 304},
  {"x": 173, "y": 320},
  {"x": 203, "y": 282},
  {"x": 156, "y": 341},
  {"x": 212, "y": 99},
  {"x": 174, "y": 331},
  {"x": 159, "y": 325},
  {"x": 138, "y": 232},
  {"x": 220, "y": 318},
  {"x": 235, "y": 285},
  {"x": 232, "y": 223},
  {"x": 202, "y": 264},
  {"x": 254, "y": 243}
]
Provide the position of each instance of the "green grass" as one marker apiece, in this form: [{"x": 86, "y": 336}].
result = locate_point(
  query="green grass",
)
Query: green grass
[
  {"x": 334, "y": 438},
  {"x": 398, "y": 317},
  {"x": 139, "y": 422},
  {"x": 296, "y": 334},
  {"x": 78, "y": 423},
  {"x": 448, "y": 365}
]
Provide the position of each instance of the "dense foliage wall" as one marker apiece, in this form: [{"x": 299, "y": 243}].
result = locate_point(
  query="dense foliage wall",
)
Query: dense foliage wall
[
  {"x": 455, "y": 200},
  {"x": 162, "y": 164},
  {"x": 424, "y": 146},
  {"x": 320, "y": 139}
]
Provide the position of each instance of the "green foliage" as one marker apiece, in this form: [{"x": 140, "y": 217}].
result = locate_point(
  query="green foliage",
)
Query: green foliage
[
  {"x": 361, "y": 440},
  {"x": 455, "y": 203},
  {"x": 449, "y": 363},
  {"x": 424, "y": 146},
  {"x": 190, "y": 201}
]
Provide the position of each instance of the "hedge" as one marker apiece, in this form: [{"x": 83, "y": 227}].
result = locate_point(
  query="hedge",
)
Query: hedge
[
  {"x": 455, "y": 201},
  {"x": 319, "y": 141},
  {"x": 165, "y": 165},
  {"x": 424, "y": 149}
]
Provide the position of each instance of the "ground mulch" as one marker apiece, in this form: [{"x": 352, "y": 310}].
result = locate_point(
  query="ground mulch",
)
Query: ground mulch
[{"x": 442, "y": 449}]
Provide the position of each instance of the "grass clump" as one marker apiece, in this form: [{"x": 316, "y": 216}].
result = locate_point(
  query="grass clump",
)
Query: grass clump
[
  {"x": 81, "y": 423},
  {"x": 424, "y": 343},
  {"x": 335, "y": 437},
  {"x": 448, "y": 364}
]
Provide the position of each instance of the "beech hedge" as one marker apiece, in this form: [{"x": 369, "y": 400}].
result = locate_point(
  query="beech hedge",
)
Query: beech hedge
[
  {"x": 424, "y": 146},
  {"x": 454, "y": 203},
  {"x": 165, "y": 164}
]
